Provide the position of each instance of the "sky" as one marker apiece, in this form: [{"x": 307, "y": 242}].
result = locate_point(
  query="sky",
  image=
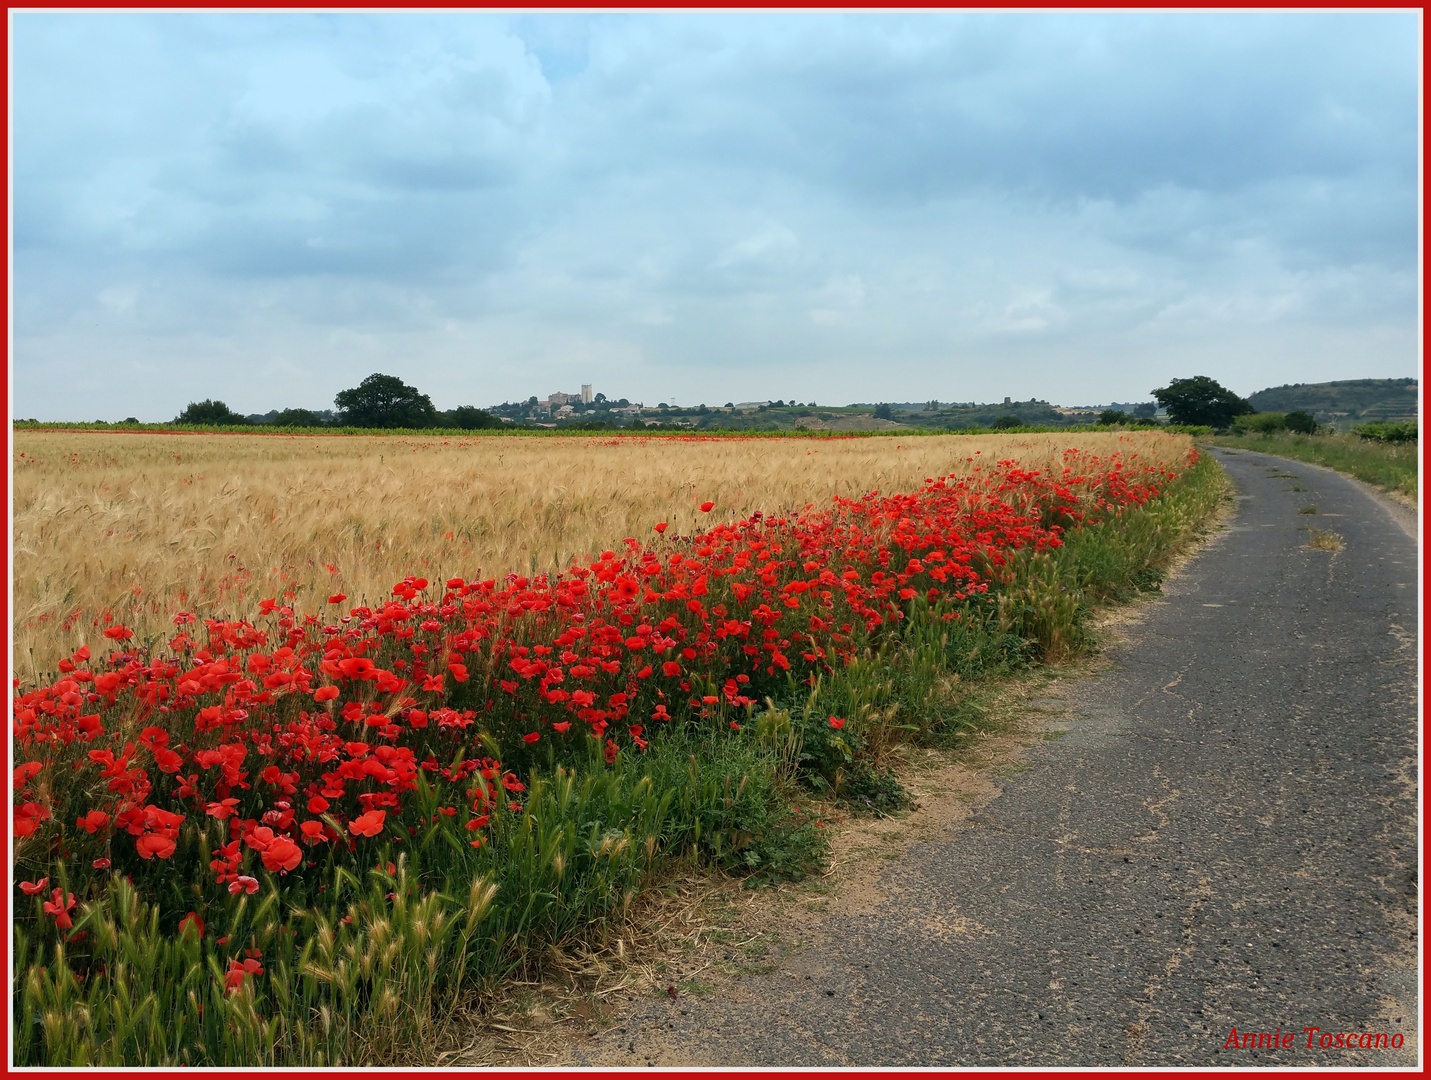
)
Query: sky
[{"x": 264, "y": 209}]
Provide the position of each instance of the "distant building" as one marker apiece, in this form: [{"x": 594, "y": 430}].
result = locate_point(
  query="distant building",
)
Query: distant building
[
  {"x": 586, "y": 393},
  {"x": 565, "y": 410},
  {"x": 751, "y": 404}
]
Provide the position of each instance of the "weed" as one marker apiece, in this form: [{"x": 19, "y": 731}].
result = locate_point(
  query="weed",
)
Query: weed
[
  {"x": 1322, "y": 540},
  {"x": 1307, "y": 510}
]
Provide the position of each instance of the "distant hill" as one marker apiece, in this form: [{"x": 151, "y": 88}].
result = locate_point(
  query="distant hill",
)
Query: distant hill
[{"x": 1345, "y": 403}]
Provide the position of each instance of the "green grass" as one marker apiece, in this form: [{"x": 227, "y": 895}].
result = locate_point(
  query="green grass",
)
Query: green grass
[{"x": 1389, "y": 466}]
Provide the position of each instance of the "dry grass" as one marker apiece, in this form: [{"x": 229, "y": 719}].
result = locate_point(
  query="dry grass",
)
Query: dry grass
[
  {"x": 1322, "y": 540},
  {"x": 143, "y": 525}
]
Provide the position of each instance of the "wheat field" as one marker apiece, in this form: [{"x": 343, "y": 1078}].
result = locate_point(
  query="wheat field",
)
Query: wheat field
[{"x": 140, "y": 525}]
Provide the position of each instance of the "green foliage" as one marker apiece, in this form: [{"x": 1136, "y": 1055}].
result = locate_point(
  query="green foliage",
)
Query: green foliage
[
  {"x": 1346, "y": 402},
  {"x": 1114, "y": 416},
  {"x": 298, "y": 418},
  {"x": 1260, "y": 422},
  {"x": 385, "y": 401},
  {"x": 1200, "y": 400},
  {"x": 1007, "y": 421},
  {"x": 212, "y": 413},
  {"x": 1391, "y": 466},
  {"x": 468, "y": 418},
  {"x": 883, "y": 412},
  {"x": 1304, "y": 423},
  {"x": 1387, "y": 433}
]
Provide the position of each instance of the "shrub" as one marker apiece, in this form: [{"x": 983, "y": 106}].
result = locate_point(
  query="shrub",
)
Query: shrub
[{"x": 1388, "y": 433}]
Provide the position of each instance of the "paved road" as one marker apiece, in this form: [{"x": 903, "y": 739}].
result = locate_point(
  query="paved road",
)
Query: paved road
[{"x": 1225, "y": 837}]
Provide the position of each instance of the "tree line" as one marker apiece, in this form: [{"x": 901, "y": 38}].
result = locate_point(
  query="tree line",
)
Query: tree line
[{"x": 379, "y": 401}]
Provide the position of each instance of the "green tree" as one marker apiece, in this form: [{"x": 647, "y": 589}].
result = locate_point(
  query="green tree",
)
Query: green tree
[
  {"x": 297, "y": 418},
  {"x": 1009, "y": 421},
  {"x": 385, "y": 401},
  {"x": 883, "y": 412},
  {"x": 1201, "y": 400},
  {"x": 1300, "y": 421},
  {"x": 214, "y": 413},
  {"x": 469, "y": 418},
  {"x": 1114, "y": 416}
]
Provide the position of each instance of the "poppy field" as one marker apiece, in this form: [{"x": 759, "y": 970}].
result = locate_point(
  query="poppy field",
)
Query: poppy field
[{"x": 277, "y": 813}]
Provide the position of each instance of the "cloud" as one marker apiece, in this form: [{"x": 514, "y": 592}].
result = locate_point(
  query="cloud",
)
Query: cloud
[{"x": 886, "y": 206}]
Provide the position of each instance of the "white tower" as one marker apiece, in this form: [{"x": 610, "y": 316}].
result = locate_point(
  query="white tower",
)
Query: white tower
[{"x": 586, "y": 393}]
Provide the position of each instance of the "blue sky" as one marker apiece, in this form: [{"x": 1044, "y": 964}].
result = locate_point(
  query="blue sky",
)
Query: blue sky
[{"x": 266, "y": 208}]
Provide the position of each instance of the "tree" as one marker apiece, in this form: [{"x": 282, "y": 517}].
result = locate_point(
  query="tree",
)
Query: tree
[
  {"x": 883, "y": 412},
  {"x": 1201, "y": 400},
  {"x": 1008, "y": 421},
  {"x": 1114, "y": 416},
  {"x": 297, "y": 418},
  {"x": 214, "y": 413},
  {"x": 1302, "y": 422},
  {"x": 470, "y": 418},
  {"x": 385, "y": 401}
]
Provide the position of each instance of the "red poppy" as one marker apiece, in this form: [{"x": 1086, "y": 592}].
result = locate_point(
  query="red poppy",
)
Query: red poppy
[
  {"x": 836, "y": 724},
  {"x": 325, "y": 693},
  {"x": 312, "y": 832},
  {"x": 24, "y": 772},
  {"x": 237, "y": 972},
  {"x": 706, "y": 507},
  {"x": 152, "y": 844},
  {"x": 282, "y": 854},
  {"x": 317, "y": 804},
  {"x": 660, "y": 526},
  {"x": 530, "y": 737},
  {"x": 33, "y": 888},
  {"x": 369, "y": 824},
  {"x": 93, "y": 821},
  {"x": 244, "y": 883},
  {"x": 191, "y": 919},
  {"x": 336, "y": 598},
  {"x": 59, "y": 905},
  {"x": 562, "y": 727}
]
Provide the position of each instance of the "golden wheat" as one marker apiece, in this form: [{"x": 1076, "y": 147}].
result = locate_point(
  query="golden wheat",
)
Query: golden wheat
[{"x": 143, "y": 525}]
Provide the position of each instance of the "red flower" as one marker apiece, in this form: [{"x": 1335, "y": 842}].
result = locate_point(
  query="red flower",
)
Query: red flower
[
  {"x": 24, "y": 772},
  {"x": 312, "y": 832},
  {"x": 282, "y": 854},
  {"x": 100, "y": 864},
  {"x": 562, "y": 727},
  {"x": 191, "y": 919},
  {"x": 237, "y": 971},
  {"x": 336, "y": 598},
  {"x": 317, "y": 804},
  {"x": 222, "y": 810},
  {"x": 660, "y": 526},
  {"x": 706, "y": 507},
  {"x": 118, "y": 633},
  {"x": 93, "y": 821},
  {"x": 244, "y": 883},
  {"x": 530, "y": 737},
  {"x": 369, "y": 824},
  {"x": 152, "y": 844},
  {"x": 33, "y": 888},
  {"x": 28, "y": 817},
  {"x": 836, "y": 724},
  {"x": 59, "y": 905},
  {"x": 325, "y": 693}
]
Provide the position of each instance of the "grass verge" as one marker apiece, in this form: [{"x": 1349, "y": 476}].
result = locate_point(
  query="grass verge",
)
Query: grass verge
[{"x": 1390, "y": 466}]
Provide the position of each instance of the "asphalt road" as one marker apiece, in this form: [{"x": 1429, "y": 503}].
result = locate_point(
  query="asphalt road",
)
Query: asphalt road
[{"x": 1225, "y": 837}]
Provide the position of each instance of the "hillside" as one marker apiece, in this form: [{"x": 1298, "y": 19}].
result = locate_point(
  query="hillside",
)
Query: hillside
[{"x": 1343, "y": 403}]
